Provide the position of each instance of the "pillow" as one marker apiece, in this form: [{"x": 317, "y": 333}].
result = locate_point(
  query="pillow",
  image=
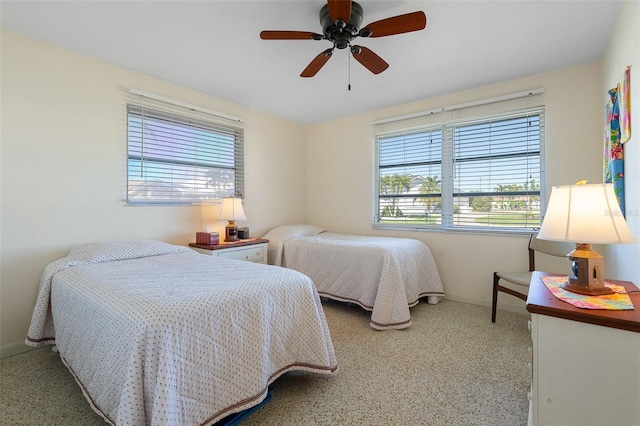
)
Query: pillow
[
  {"x": 278, "y": 236},
  {"x": 285, "y": 232},
  {"x": 119, "y": 250}
]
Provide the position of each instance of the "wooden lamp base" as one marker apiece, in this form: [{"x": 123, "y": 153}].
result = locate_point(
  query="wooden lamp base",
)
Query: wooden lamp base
[
  {"x": 588, "y": 272},
  {"x": 591, "y": 291}
]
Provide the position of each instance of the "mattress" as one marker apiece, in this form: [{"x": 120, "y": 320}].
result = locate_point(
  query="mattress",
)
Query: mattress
[
  {"x": 384, "y": 275},
  {"x": 159, "y": 334}
]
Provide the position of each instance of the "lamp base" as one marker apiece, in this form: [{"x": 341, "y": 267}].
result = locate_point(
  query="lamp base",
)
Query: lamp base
[
  {"x": 591, "y": 291},
  {"x": 231, "y": 232},
  {"x": 588, "y": 270}
]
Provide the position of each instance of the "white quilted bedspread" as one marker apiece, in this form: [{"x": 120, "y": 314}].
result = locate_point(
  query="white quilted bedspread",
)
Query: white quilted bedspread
[
  {"x": 382, "y": 274},
  {"x": 167, "y": 336}
]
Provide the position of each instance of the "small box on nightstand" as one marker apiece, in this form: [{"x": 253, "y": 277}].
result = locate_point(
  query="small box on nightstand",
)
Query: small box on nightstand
[
  {"x": 243, "y": 233},
  {"x": 208, "y": 238}
]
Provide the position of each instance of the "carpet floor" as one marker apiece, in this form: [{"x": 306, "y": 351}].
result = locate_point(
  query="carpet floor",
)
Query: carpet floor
[{"x": 451, "y": 367}]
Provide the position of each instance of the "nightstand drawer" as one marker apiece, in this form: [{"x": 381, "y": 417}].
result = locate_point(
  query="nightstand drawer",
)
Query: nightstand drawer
[
  {"x": 254, "y": 250},
  {"x": 251, "y": 254}
]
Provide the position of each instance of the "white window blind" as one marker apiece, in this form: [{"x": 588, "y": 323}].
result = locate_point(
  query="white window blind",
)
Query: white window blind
[
  {"x": 178, "y": 154},
  {"x": 496, "y": 171},
  {"x": 475, "y": 168},
  {"x": 409, "y": 174}
]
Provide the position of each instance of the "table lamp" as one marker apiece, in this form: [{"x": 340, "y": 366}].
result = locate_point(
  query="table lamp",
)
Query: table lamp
[
  {"x": 231, "y": 210},
  {"x": 585, "y": 214}
]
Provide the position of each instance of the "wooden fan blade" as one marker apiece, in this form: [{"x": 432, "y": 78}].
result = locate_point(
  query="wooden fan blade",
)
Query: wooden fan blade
[
  {"x": 317, "y": 63},
  {"x": 289, "y": 35},
  {"x": 370, "y": 60},
  {"x": 340, "y": 9},
  {"x": 406, "y": 23}
]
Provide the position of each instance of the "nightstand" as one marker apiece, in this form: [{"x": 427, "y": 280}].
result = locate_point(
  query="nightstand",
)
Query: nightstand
[
  {"x": 586, "y": 363},
  {"x": 253, "y": 250}
]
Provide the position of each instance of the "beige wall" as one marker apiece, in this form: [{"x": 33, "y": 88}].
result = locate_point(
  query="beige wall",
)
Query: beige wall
[
  {"x": 64, "y": 163},
  {"x": 623, "y": 51},
  {"x": 340, "y": 175}
]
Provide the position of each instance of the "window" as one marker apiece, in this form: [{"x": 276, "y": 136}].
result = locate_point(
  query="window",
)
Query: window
[
  {"x": 178, "y": 154},
  {"x": 477, "y": 169},
  {"x": 410, "y": 170}
]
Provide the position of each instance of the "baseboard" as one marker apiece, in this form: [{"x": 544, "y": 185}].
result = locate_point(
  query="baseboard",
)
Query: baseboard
[
  {"x": 14, "y": 349},
  {"x": 520, "y": 308}
]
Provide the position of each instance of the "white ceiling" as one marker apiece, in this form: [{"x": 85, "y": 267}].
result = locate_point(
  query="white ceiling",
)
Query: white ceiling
[{"x": 214, "y": 46}]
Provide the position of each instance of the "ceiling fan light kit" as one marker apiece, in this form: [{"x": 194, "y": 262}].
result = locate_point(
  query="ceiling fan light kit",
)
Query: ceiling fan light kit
[{"x": 341, "y": 23}]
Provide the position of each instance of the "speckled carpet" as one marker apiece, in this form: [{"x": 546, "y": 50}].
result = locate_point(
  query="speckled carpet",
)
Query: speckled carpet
[{"x": 451, "y": 367}]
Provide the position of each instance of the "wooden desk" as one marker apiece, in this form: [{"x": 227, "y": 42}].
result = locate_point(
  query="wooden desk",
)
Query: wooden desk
[{"x": 586, "y": 363}]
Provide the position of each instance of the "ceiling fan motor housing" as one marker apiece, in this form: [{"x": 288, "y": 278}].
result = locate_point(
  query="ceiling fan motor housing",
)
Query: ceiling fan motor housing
[{"x": 341, "y": 33}]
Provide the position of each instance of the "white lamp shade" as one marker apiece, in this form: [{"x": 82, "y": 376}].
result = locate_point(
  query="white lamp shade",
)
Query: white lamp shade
[
  {"x": 232, "y": 209},
  {"x": 585, "y": 214}
]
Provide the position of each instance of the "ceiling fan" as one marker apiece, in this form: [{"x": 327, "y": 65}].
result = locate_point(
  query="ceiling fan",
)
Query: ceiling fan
[{"x": 341, "y": 22}]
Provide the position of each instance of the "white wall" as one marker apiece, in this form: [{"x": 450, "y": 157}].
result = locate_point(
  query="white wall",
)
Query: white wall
[
  {"x": 64, "y": 162},
  {"x": 624, "y": 50},
  {"x": 340, "y": 176}
]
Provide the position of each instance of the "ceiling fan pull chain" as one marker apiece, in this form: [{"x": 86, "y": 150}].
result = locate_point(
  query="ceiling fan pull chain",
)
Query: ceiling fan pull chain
[{"x": 349, "y": 59}]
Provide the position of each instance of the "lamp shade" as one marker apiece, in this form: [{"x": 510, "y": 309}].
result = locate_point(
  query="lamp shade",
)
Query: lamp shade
[
  {"x": 585, "y": 214},
  {"x": 232, "y": 209}
]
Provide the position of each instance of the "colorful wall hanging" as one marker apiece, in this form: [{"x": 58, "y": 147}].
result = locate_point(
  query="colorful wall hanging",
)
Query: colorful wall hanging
[{"x": 617, "y": 132}]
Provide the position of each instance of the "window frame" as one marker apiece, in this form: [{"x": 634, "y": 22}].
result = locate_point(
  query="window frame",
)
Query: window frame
[
  {"x": 189, "y": 128},
  {"x": 447, "y": 122}
]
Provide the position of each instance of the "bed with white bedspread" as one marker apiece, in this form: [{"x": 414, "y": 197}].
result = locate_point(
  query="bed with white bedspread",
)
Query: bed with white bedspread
[
  {"x": 157, "y": 334},
  {"x": 384, "y": 275}
]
